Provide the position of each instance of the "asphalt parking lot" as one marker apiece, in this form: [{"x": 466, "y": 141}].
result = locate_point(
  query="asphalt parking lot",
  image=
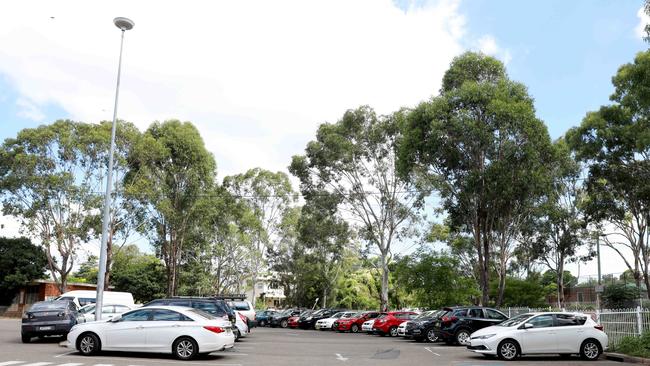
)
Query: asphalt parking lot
[{"x": 265, "y": 346}]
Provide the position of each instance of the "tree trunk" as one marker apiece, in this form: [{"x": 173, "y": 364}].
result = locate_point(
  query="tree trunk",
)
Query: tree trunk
[
  {"x": 384, "y": 282},
  {"x": 560, "y": 284},
  {"x": 502, "y": 286},
  {"x": 485, "y": 271}
]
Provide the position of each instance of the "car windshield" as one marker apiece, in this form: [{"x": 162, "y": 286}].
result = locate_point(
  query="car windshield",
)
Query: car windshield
[
  {"x": 512, "y": 322},
  {"x": 348, "y": 315},
  {"x": 318, "y": 312},
  {"x": 203, "y": 314},
  {"x": 287, "y": 312},
  {"x": 49, "y": 305},
  {"x": 337, "y": 315},
  {"x": 359, "y": 314},
  {"x": 426, "y": 314},
  {"x": 87, "y": 309},
  {"x": 305, "y": 313},
  {"x": 382, "y": 316}
]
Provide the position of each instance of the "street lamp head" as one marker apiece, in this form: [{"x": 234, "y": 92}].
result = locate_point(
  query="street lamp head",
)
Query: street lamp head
[{"x": 123, "y": 23}]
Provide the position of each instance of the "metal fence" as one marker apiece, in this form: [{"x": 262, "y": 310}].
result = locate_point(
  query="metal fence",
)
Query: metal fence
[{"x": 617, "y": 323}]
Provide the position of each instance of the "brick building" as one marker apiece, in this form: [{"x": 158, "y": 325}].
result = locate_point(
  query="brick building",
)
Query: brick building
[{"x": 39, "y": 290}]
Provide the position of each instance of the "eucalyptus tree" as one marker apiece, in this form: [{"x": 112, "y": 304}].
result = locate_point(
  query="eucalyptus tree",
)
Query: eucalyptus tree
[
  {"x": 51, "y": 177},
  {"x": 170, "y": 173},
  {"x": 269, "y": 196},
  {"x": 614, "y": 143},
  {"x": 354, "y": 159},
  {"x": 487, "y": 152}
]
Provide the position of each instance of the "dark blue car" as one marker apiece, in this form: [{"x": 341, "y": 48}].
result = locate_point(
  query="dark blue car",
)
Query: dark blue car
[{"x": 263, "y": 317}]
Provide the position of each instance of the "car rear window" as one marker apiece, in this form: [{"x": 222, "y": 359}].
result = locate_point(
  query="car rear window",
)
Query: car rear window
[
  {"x": 213, "y": 308},
  {"x": 569, "y": 319},
  {"x": 202, "y": 314},
  {"x": 460, "y": 312},
  {"x": 50, "y": 305},
  {"x": 240, "y": 305}
]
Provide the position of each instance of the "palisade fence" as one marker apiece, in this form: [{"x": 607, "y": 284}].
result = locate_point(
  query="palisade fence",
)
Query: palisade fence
[{"x": 617, "y": 323}]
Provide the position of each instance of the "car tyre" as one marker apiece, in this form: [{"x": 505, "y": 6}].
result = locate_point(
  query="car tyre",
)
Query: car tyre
[
  {"x": 590, "y": 350},
  {"x": 88, "y": 344},
  {"x": 508, "y": 350},
  {"x": 354, "y": 328},
  {"x": 262, "y": 323},
  {"x": 284, "y": 324},
  {"x": 185, "y": 348},
  {"x": 237, "y": 335},
  {"x": 392, "y": 331},
  {"x": 431, "y": 336},
  {"x": 462, "y": 337},
  {"x": 26, "y": 338}
]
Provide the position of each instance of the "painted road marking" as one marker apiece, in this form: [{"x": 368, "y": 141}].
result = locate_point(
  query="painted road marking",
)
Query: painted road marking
[
  {"x": 8, "y": 363},
  {"x": 341, "y": 358},
  {"x": 429, "y": 349}
]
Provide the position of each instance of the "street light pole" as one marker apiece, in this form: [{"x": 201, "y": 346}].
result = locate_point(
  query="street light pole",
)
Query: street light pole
[{"x": 123, "y": 24}]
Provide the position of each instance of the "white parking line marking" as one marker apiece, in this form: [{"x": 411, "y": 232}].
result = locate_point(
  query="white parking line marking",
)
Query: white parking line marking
[
  {"x": 37, "y": 364},
  {"x": 8, "y": 363},
  {"x": 65, "y": 354},
  {"x": 341, "y": 358},
  {"x": 429, "y": 349},
  {"x": 70, "y": 364},
  {"x": 103, "y": 364}
]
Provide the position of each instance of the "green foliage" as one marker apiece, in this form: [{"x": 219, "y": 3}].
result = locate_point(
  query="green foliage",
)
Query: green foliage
[
  {"x": 638, "y": 346},
  {"x": 519, "y": 292},
  {"x": 359, "y": 289},
  {"x": 87, "y": 272},
  {"x": 434, "y": 280},
  {"x": 620, "y": 296},
  {"x": 170, "y": 172},
  {"x": 141, "y": 274},
  {"x": 20, "y": 263},
  {"x": 487, "y": 152}
]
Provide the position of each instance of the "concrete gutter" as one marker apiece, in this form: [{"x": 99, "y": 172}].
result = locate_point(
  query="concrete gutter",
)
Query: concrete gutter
[{"x": 625, "y": 358}]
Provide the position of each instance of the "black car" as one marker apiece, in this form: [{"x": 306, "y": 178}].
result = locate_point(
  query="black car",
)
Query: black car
[
  {"x": 264, "y": 316},
  {"x": 281, "y": 319},
  {"x": 421, "y": 328},
  {"x": 49, "y": 318},
  {"x": 216, "y": 307},
  {"x": 459, "y": 323},
  {"x": 309, "y": 321}
]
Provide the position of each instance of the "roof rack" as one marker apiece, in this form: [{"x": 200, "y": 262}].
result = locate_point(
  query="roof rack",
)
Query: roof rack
[{"x": 230, "y": 296}]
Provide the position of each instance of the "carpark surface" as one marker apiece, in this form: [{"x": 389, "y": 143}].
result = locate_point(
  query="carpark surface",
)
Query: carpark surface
[{"x": 267, "y": 346}]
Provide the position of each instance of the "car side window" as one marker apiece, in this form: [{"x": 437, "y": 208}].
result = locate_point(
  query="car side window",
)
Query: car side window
[
  {"x": 460, "y": 313},
  {"x": 185, "y": 303},
  {"x": 108, "y": 309},
  {"x": 121, "y": 308},
  {"x": 137, "y": 316},
  {"x": 208, "y": 307},
  {"x": 475, "y": 313},
  {"x": 563, "y": 320},
  {"x": 493, "y": 314},
  {"x": 168, "y": 315},
  {"x": 541, "y": 321}
]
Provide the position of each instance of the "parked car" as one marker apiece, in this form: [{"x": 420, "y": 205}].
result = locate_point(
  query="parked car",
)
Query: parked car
[
  {"x": 309, "y": 321},
  {"x": 245, "y": 307},
  {"x": 459, "y": 324},
  {"x": 262, "y": 317},
  {"x": 180, "y": 331},
  {"x": 47, "y": 318},
  {"x": 542, "y": 333},
  {"x": 281, "y": 319},
  {"x": 354, "y": 323},
  {"x": 84, "y": 297},
  {"x": 108, "y": 311},
  {"x": 241, "y": 328},
  {"x": 213, "y": 306},
  {"x": 326, "y": 324},
  {"x": 401, "y": 329},
  {"x": 422, "y": 328},
  {"x": 292, "y": 322},
  {"x": 367, "y": 325},
  {"x": 387, "y": 324}
]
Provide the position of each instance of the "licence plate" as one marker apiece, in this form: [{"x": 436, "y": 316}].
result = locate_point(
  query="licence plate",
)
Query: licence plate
[{"x": 46, "y": 328}]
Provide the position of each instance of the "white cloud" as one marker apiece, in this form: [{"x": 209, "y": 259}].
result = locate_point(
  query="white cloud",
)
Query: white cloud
[
  {"x": 256, "y": 77},
  {"x": 29, "y": 110},
  {"x": 488, "y": 45},
  {"x": 644, "y": 19}
]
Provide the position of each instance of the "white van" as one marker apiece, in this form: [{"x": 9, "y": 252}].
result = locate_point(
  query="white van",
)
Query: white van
[{"x": 84, "y": 297}]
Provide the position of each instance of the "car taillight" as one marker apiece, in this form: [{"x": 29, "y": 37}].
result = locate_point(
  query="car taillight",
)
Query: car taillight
[
  {"x": 243, "y": 318},
  {"x": 214, "y": 329},
  {"x": 600, "y": 327}
]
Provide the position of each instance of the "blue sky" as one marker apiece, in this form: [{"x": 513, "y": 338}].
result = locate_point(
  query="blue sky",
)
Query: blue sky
[{"x": 257, "y": 77}]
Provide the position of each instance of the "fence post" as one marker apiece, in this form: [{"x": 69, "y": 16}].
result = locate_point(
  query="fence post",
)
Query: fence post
[
  {"x": 509, "y": 313},
  {"x": 639, "y": 321},
  {"x": 598, "y": 316}
]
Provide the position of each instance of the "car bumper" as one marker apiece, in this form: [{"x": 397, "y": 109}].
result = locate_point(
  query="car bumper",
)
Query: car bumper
[
  {"x": 401, "y": 332},
  {"x": 323, "y": 326},
  {"x": 47, "y": 327},
  {"x": 482, "y": 347}
]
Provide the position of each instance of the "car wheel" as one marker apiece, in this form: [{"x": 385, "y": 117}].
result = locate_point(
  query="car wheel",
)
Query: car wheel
[
  {"x": 88, "y": 344},
  {"x": 432, "y": 336},
  {"x": 26, "y": 338},
  {"x": 237, "y": 335},
  {"x": 185, "y": 348},
  {"x": 392, "y": 331},
  {"x": 262, "y": 323},
  {"x": 508, "y": 350},
  {"x": 354, "y": 328},
  {"x": 284, "y": 324},
  {"x": 590, "y": 350},
  {"x": 462, "y": 337}
]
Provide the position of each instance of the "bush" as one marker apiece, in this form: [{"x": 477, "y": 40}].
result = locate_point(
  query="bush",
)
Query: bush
[
  {"x": 638, "y": 346},
  {"x": 620, "y": 296}
]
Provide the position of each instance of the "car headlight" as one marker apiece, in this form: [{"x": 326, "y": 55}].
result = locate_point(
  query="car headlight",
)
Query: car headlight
[
  {"x": 309, "y": 318},
  {"x": 484, "y": 336}
]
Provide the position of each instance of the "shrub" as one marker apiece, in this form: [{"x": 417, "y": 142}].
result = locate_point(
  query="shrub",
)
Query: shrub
[{"x": 638, "y": 346}]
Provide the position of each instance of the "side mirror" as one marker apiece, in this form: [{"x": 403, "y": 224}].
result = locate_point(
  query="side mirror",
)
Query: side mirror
[
  {"x": 115, "y": 319},
  {"x": 528, "y": 326}
]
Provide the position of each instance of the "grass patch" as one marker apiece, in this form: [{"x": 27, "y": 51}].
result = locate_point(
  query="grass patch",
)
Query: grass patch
[{"x": 638, "y": 346}]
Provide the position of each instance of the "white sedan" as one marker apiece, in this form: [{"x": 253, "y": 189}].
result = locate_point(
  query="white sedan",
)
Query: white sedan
[
  {"x": 367, "y": 326},
  {"x": 326, "y": 324},
  {"x": 181, "y": 331},
  {"x": 108, "y": 311},
  {"x": 542, "y": 333},
  {"x": 241, "y": 325}
]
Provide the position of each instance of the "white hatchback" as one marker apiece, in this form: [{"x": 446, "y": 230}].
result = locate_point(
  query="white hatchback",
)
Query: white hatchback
[
  {"x": 367, "y": 326},
  {"x": 181, "y": 331},
  {"x": 542, "y": 333},
  {"x": 326, "y": 324}
]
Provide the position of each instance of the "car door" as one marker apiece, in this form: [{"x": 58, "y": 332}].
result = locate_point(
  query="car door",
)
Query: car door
[
  {"x": 541, "y": 337},
  {"x": 494, "y": 317},
  {"x": 165, "y": 326},
  {"x": 475, "y": 319},
  {"x": 569, "y": 332},
  {"x": 128, "y": 332}
]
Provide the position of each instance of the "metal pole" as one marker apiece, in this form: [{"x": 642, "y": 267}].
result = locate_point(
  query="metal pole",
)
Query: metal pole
[
  {"x": 101, "y": 275},
  {"x": 599, "y": 281}
]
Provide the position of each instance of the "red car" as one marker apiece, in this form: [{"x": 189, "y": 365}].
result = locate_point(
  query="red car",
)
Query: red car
[
  {"x": 292, "y": 322},
  {"x": 354, "y": 323},
  {"x": 388, "y": 323}
]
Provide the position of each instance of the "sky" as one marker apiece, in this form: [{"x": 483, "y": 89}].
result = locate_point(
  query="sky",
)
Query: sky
[{"x": 258, "y": 77}]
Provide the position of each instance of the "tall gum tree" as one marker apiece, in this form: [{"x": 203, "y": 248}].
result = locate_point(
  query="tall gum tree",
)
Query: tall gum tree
[
  {"x": 482, "y": 144},
  {"x": 354, "y": 159},
  {"x": 170, "y": 172}
]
